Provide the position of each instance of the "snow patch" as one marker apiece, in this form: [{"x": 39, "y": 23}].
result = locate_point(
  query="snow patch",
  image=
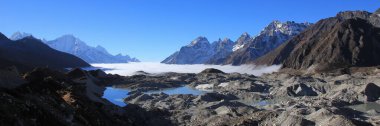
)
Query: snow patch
[
  {"x": 223, "y": 84},
  {"x": 205, "y": 87},
  {"x": 237, "y": 47}
]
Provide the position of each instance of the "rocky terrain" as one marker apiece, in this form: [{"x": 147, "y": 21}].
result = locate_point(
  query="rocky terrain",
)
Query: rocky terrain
[
  {"x": 271, "y": 99},
  {"x": 48, "y": 97}
]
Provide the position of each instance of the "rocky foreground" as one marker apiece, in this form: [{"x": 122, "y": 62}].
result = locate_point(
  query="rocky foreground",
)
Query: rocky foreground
[
  {"x": 44, "y": 97},
  {"x": 47, "y": 97},
  {"x": 271, "y": 99}
]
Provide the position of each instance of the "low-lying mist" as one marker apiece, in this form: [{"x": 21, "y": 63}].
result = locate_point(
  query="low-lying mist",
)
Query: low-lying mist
[{"x": 128, "y": 69}]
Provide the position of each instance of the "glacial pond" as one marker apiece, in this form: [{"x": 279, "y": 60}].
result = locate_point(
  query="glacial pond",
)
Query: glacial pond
[
  {"x": 366, "y": 107},
  {"x": 116, "y": 95}
]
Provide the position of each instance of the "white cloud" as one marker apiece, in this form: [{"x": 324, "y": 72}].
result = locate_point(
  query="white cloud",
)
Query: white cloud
[{"x": 127, "y": 69}]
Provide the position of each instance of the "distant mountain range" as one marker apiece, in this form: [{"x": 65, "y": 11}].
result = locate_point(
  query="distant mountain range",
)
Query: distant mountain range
[
  {"x": 245, "y": 50},
  {"x": 200, "y": 51},
  {"x": 71, "y": 44},
  {"x": 28, "y": 53},
  {"x": 349, "y": 39}
]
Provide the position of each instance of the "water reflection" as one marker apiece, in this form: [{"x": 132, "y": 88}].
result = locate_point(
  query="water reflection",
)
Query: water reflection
[{"x": 116, "y": 95}]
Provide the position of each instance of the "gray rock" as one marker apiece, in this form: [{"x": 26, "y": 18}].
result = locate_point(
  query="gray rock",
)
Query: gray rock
[
  {"x": 371, "y": 92},
  {"x": 210, "y": 97},
  {"x": 301, "y": 90}
]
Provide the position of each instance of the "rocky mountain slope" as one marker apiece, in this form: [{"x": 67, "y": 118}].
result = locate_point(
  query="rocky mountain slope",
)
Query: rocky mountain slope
[
  {"x": 243, "y": 51},
  {"x": 71, "y": 44},
  {"x": 349, "y": 39},
  {"x": 270, "y": 38},
  {"x": 198, "y": 51},
  {"x": 29, "y": 52},
  {"x": 221, "y": 49}
]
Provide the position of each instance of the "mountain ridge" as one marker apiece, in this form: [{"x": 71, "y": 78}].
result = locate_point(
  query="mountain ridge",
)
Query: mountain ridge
[
  {"x": 349, "y": 39},
  {"x": 238, "y": 52},
  {"x": 70, "y": 44},
  {"x": 29, "y": 52}
]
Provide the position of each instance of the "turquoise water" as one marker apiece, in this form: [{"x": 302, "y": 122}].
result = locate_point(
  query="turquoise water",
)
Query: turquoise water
[{"x": 116, "y": 95}]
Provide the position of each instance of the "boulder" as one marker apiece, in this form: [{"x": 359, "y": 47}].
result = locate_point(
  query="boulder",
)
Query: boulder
[
  {"x": 141, "y": 98},
  {"x": 210, "y": 97},
  {"x": 371, "y": 92},
  {"x": 211, "y": 70},
  {"x": 301, "y": 90},
  {"x": 98, "y": 73},
  {"x": 76, "y": 73}
]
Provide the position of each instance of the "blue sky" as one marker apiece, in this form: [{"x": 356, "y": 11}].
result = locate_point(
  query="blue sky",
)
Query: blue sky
[{"x": 153, "y": 29}]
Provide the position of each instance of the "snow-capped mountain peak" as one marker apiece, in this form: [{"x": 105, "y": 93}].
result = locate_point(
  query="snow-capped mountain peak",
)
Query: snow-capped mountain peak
[
  {"x": 243, "y": 39},
  {"x": 73, "y": 45},
  {"x": 19, "y": 35},
  {"x": 68, "y": 43},
  {"x": 288, "y": 28}
]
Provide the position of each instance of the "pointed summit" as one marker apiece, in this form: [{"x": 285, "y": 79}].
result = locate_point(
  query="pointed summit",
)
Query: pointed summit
[
  {"x": 226, "y": 39},
  {"x": 201, "y": 40},
  {"x": 242, "y": 40},
  {"x": 244, "y": 37}
]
